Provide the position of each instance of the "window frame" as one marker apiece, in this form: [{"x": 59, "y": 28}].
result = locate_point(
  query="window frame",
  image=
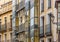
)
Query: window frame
[
  {"x": 49, "y": 4},
  {"x": 41, "y": 35},
  {"x": 42, "y": 6}
]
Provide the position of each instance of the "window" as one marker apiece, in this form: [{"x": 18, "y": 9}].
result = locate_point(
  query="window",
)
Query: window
[
  {"x": 26, "y": 1},
  {"x": 32, "y": 13},
  {"x": 42, "y": 40},
  {"x": 5, "y": 38},
  {"x": 49, "y": 40},
  {"x": 21, "y": 19},
  {"x": 42, "y": 5},
  {"x": 0, "y": 38},
  {"x": 11, "y": 21},
  {"x": 5, "y": 22},
  {"x": 48, "y": 19},
  {"x": 32, "y": 33},
  {"x": 41, "y": 25},
  {"x": 32, "y": 16},
  {"x": 11, "y": 36},
  {"x": 49, "y": 3},
  {"x": 58, "y": 16},
  {"x": 48, "y": 24},
  {"x": 32, "y": 39},
  {"x": 0, "y": 24},
  {"x": 32, "y": 23}
]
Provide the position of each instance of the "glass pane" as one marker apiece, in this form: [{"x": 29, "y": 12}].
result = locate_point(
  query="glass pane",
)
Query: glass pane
[
  {"x": 41, "y": 22},
  {"x": 47, "y": 19},
  {"x": 42, "y": 5},
  {"x": 32, "y": 22},
  {"x": 58, "y": 15},
  {"x": 32, "y": 39},
  {"x": 41, "y": 29},
  {"x": 49, "y": 3},
  {"x": 26, "y": 1},
  {"x": 59, "y": 7},
  {"x": 41, "y": 25},
  {"x": 32, "y": 13},
  {"x": 32, "y": 32}
]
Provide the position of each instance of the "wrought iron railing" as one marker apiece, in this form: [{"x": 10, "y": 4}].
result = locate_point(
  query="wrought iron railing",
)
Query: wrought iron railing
[
  {"x": 6, "y": 7},
  {"x": 48, "y": 29}
]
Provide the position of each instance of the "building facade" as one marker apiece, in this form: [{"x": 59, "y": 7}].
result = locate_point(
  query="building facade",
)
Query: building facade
[
  {"x": 28, "y": 21},
  {"x": 39, "y": 26},
  {"x": 5, "y": 21}
]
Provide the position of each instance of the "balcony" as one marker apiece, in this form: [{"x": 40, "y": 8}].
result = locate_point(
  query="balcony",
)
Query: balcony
[
  {"x": 20, "y": 5},
  {"x": 3, "y": 28},
  {"x": 41, "y": 31},
  {"x": 6, "y": 7},
  {"x": 20, "y": 28},
  {"x": 48, "y": 30}
]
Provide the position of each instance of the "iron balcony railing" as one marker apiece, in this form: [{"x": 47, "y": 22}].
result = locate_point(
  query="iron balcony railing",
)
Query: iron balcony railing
[
  {"x": 48, "y": 30},
  {"x": 6, "y": 7},
  {"x": 41, "y": 31},
  {"x": 20, "y": 28},
  {"x": 20, "y": 5},
  {"x": 3, "y": 28}
]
